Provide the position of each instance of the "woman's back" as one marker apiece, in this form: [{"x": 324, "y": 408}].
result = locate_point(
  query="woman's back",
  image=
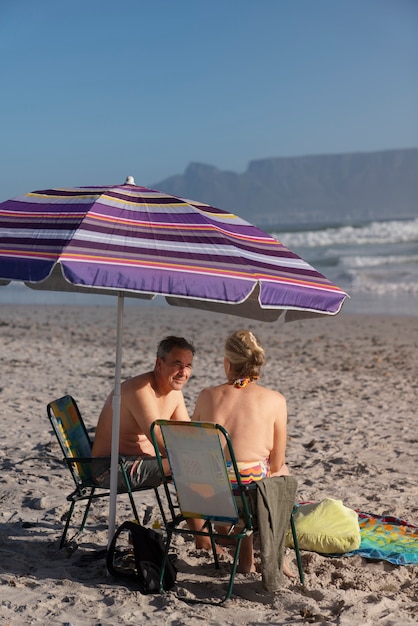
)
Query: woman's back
[{"x": 253, "y": 417}]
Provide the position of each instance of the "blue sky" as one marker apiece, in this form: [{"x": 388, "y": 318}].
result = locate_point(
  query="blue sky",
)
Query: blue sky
[{"x": 94, "y": 90}]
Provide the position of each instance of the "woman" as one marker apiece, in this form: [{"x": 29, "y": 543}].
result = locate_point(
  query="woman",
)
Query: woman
[{"x": 254, "y": 417}]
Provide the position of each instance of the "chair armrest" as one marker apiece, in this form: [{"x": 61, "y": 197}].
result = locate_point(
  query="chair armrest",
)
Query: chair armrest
[
  {"x": 78, "y": 459},
  {"x": 89, "y": 459}
]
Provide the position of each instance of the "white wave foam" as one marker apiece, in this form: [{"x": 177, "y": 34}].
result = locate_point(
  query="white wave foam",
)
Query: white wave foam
[
  {"x": 376, "y": 261},
  {"x": 365, "y": 284},
  {"x": 380, "y": 279},
  {"x": 394, "y": 231}
]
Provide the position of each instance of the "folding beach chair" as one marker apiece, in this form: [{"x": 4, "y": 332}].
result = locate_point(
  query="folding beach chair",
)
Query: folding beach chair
[
  {"x": 202, "y": 489},
  {"x": 76, "y": 446}
]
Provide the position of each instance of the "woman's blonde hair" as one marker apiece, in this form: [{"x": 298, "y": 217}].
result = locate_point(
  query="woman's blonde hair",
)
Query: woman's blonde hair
[{"x": 245, "y": 353}]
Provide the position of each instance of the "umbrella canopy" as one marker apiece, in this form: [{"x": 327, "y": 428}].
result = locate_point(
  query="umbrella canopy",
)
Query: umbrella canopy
[
  {"x": 142, "y": 242},
  {"x": 135, "y": 241}
]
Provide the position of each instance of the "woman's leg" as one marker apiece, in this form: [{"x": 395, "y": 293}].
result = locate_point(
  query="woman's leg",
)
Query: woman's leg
[{"x": 246, "y": 556}]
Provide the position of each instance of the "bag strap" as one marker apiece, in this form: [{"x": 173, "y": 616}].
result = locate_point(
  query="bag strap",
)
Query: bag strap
[{"x": 111, "y": 551}]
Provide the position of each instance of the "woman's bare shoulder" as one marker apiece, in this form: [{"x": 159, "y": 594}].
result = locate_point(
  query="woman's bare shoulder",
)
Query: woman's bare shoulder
[
  {"x": 270, "y": 392},
  {"x": 213, "y": 390}
]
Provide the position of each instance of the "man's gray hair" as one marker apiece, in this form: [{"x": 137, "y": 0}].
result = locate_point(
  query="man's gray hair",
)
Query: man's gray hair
[{"x": 168, "y": 344}]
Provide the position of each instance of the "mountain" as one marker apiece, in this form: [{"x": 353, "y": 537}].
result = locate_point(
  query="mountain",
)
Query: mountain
[{"x": 339, "y": 188}]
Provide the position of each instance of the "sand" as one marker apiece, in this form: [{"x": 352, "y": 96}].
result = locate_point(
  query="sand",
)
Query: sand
[{"x": 351, "y": 384}]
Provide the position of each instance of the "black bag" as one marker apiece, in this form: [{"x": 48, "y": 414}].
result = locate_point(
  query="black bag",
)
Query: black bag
[{"x": 139, "y": 556}]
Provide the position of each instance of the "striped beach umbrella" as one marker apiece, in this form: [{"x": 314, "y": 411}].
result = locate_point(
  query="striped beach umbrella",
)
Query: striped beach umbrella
[
  {"x": 133, "y": 241},
  {"x": 143, "y": 242}
]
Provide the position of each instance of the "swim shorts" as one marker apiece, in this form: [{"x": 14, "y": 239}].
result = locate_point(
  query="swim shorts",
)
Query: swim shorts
[{"x": 141, "y": 471}]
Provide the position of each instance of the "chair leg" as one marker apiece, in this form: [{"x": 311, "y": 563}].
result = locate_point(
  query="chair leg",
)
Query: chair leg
[
  {"x": 233, "y": 570},
  {"x": 86, "y": 512},
  {"x": 160, "y": 505},
  {"x": 165, "y": 558},
  {"x": 69, "y": 516},
  {"x": 135, "y": 512},
  {"x": 67, "y": 524},
  {"x": 209, "y": 529},
  {"x": 296, "y": 544},
  {"x": 215, "y": 554},
  {"x": 129, "y": 490}
]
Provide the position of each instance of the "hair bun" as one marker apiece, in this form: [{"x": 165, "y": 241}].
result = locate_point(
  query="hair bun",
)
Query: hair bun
[{"x": 245, "y": 353}]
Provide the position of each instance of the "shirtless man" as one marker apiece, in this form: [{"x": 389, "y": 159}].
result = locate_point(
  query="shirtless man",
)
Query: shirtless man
[
  {"x": 255, "y": 418},
  {"x": 144, "y": 398}
]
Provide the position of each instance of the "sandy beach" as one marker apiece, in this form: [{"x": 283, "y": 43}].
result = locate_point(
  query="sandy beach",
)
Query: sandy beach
[{"x": 351, "y": 384}]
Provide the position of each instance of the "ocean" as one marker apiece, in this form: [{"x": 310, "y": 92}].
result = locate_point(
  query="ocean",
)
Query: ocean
[{"x": 375, "y": 262}]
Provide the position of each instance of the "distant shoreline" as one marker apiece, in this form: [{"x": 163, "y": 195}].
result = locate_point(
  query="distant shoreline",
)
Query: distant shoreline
[{"x": 360, "y": 304}]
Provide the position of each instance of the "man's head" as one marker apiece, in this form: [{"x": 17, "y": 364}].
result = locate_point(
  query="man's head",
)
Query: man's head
[
  {"x": 173, "y": 365},
  {"x": 167, "y": 344}
]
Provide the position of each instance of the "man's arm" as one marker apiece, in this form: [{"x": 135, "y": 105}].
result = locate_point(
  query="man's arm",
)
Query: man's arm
[
  {"x": 145, "y": 409},
  {"x": 180, "y": 413}
]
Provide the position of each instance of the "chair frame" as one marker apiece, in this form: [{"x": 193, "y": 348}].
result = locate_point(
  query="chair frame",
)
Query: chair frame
[
  {"x": 244, "y": 515},
  {"x": 86, "y": 490}
]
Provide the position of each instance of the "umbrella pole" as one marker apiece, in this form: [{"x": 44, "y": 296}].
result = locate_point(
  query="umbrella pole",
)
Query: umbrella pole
[{"x": 114, "y": 461}]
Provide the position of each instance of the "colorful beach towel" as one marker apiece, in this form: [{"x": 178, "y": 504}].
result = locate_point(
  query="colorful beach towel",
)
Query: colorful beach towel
[{"x": 387, "y": 538}]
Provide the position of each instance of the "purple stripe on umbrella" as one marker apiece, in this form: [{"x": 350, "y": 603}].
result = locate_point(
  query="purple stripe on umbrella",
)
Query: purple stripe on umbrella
[
  {"x": 153, "y": 280},
  {"x": 193, "y": 258}
]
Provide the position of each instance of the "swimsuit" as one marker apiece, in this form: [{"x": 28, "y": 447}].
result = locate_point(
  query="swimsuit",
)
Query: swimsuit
[
  {"x": 239, "y": 383},
  {"x": 249, "y": 472},
  {"x": 141, "y": 471}
]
